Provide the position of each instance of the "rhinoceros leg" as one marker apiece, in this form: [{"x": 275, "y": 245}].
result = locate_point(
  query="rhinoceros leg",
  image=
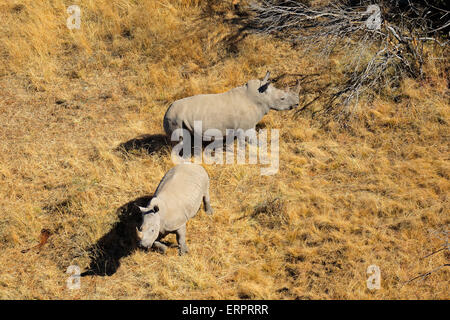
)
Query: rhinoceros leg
[
  {"x": 252, "y": 141},
  {"x": 160, "y": 246},
  {"x": 207, "y": 203},
  {"x": 181, "y": 239}
]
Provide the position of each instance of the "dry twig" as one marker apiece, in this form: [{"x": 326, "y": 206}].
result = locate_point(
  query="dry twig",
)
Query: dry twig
[{"x": 387, "y": 41}]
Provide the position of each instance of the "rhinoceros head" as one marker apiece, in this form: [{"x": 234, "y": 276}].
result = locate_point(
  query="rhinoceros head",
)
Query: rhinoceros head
[
  {"x": 148, "y": 232},
  {"x": 265, "y": 94}
]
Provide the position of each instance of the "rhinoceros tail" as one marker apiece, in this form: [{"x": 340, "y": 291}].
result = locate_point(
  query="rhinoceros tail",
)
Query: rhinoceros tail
[{"x": 168, "y": 123}]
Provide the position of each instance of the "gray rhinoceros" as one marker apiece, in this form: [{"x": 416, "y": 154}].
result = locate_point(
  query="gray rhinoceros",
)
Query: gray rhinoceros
[
  {"x": 239, "y": 108},
  {"x": 176, "y": 200}
]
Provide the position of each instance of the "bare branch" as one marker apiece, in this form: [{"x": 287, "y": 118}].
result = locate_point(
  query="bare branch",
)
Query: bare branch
[{"x": 386, "y": 42}]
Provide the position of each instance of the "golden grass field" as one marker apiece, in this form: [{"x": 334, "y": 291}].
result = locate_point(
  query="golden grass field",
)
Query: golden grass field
[{"x": 72, "y": 101}]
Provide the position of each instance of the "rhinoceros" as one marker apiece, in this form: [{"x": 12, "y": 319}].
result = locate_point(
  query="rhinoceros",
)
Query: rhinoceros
[
  {"x": 176, "y": 200},
  {"x": 239, "y": 108}
]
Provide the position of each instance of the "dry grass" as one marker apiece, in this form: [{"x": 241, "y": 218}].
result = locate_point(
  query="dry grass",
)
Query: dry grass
[{"x": 343, "y": 199}]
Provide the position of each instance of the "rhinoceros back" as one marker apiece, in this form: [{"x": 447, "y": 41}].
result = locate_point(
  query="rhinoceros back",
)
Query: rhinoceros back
[{"x": 182, "y": 190}]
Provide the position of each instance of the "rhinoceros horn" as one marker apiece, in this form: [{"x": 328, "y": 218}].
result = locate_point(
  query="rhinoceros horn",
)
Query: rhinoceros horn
[{"x": 139, "y": 234}]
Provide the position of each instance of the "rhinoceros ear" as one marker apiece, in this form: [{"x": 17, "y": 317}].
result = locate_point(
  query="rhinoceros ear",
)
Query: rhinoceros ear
[
  {"x": 154, "y": 205},
  {"x": 297, "y": 87},
  {"x": 264, "y": 87},
  {"x": 266, "y": 78}
]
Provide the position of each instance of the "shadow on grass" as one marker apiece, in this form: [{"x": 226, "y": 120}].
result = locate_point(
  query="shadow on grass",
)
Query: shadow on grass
[
  {"x": 158, "y": 142},
  {"x": 151, "y": 143},
  {"x": 119, "y": 242}
]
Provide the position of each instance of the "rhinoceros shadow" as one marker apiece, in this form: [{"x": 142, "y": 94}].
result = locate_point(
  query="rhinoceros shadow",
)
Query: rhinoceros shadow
[
  {"x": 155, "y": 143},
  {"x": 119, "y": 242},
  {"x": 151, "y": 143}
]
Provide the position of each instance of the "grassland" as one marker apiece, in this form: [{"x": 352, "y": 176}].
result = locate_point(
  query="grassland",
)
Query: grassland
[{"x": 73, "y": 103}]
